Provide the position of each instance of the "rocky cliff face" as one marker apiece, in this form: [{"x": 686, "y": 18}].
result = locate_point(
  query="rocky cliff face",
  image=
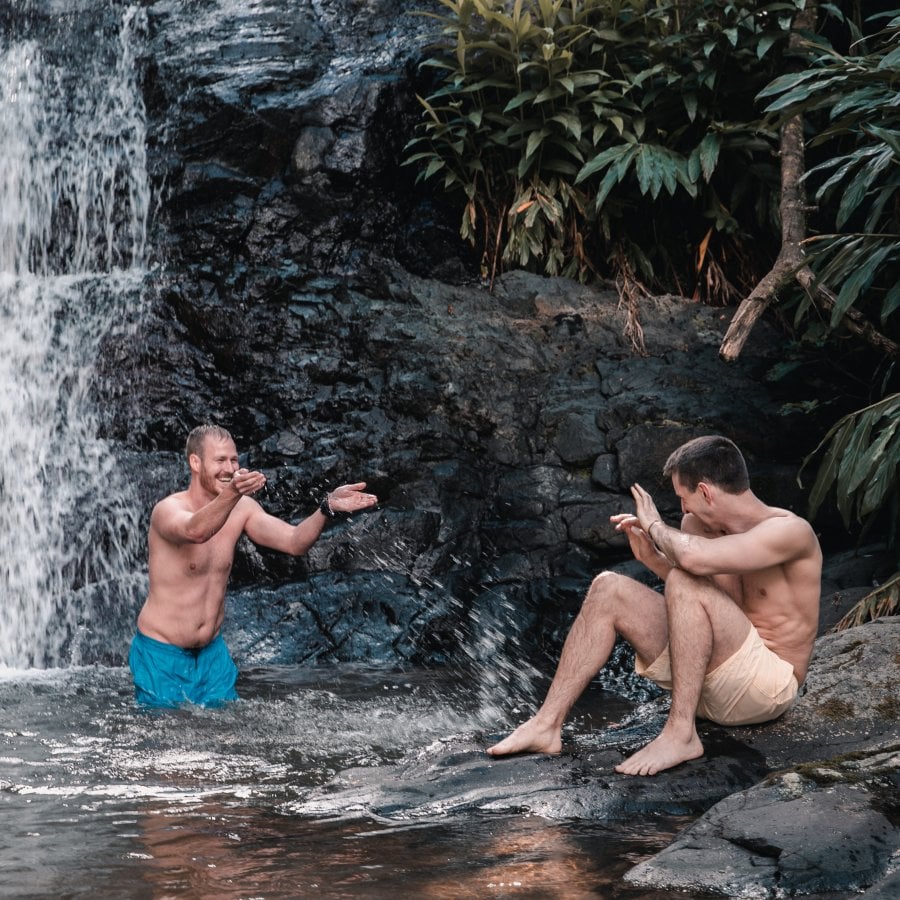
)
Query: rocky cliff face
[{"x": 309, "y": 297}]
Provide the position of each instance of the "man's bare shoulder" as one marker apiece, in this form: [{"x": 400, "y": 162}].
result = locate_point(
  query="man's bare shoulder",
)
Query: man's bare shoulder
[
  {"x": 785, "y": 519},
  {"x": 788, "y": 535},
  {"x": 691, "y": 524},
  {"x": 784, "y": 533},
  {"x": 173, "y": 502}
]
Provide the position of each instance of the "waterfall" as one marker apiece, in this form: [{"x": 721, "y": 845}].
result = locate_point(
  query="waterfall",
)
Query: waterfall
[{"x": 74, "y": 208}]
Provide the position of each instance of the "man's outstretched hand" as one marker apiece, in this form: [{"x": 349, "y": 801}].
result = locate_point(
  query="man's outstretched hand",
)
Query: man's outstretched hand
[
  {"x": 350, "y": 498},
  {"x": 246, "y": 482}
]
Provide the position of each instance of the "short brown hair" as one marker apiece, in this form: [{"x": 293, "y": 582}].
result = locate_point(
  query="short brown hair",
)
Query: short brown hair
[
  {"x": 198, "y": 436},
  {"x": 711, "y": 458}
]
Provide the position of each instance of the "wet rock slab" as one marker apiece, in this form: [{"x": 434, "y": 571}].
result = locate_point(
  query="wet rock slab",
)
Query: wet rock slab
[
  {"x": 828, "y": 829},
  {"x": 457, "y": 775}
]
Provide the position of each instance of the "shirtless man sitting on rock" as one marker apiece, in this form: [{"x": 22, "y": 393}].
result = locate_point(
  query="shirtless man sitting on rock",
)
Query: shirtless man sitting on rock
[
  {"x": 177, "y": 655},
  {"x": 732, "y": 635}
]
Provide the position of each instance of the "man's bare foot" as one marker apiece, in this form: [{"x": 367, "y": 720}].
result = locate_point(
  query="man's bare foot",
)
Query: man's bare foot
[
  {"x": 529, "y": 737},
  {"x": 663, "y": 752}
]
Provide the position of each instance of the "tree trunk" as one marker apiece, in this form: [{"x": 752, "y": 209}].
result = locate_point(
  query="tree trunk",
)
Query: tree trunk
[
  {"x": 792, "y": 208},
  {"x": 789, "y": 263}
]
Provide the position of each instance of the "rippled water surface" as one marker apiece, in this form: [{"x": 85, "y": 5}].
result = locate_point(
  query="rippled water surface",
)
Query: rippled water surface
[{"x": 100, "y": 799}]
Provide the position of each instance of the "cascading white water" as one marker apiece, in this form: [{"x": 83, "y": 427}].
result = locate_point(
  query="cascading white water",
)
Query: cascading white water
[{"x": 74, "y": 206}]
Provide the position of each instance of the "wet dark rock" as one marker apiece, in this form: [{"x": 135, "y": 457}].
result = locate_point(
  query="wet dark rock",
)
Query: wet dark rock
[
  {"x": 828, "y": 823},
  {"x": 831, "y": 829},
  {"x": 457, "y": 775}
]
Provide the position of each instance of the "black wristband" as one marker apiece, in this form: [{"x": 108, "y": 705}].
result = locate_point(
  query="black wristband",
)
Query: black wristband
[{"x": 325, "y": 508}]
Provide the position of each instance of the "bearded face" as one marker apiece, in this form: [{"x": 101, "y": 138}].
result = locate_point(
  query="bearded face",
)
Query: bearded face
[{"x": 216, "y": 465}]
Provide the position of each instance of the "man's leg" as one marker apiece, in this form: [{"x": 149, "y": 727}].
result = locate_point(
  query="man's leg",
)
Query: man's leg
[
  {"x": 706, "y": 627},
  {"x": 614, "y": 604}
]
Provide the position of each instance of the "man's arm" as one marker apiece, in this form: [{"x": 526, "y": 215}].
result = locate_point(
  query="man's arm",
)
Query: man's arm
[
  {"x": 770, "y": 543},
  {"x": 773, "y": 541},
  {"x": 276, "y": 534},
  {"x": 173, "y": 519}
]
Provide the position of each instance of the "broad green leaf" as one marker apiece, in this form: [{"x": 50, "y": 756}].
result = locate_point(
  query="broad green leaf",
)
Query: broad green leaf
[
  {"x": 613, "y": 176},
  {"x": 875, "y": 457},
  {"x": 891, "y": 138},
  {"x": 839, "y": 436},
  {"x": 858, "y": 280},
  {"x": 648, "y": 171},
  {"x": 564, "y": 167},
  {"x": 863, "y": 99},
  {"x": 434, "y": 166},
  {"x": 859, "y": 440},
  {"x": 891, "y": 303},
  {"x": 519, "y": 100},
  {"x": 690, "y": 106},
  {"x": 551, "y": 92},
  {"x": 535, "y": 139},
  {"x": 875, "y": 494},
  {"x": 570, "y": 122},
  {"x": 709, "y": 154},
  {"x": 856, "y": 191},
  {"x": 601, "y": 161},
  {"x": 765, "y": 43},
  {"x": 890, "y": 60},
  {"x": 786, "y": 82}
]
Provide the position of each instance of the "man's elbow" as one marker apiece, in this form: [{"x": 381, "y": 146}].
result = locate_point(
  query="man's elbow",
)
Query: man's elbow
[
  {"x": 192, "y": 536},
  {"x": 693, "y": 562}
]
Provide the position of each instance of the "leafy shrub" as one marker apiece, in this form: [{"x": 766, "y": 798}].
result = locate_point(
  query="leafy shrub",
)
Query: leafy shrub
[{"x": 584, "y": 133}]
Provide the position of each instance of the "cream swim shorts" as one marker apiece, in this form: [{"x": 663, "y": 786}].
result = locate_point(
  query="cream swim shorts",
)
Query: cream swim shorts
[{"x": 754, "y": 685}]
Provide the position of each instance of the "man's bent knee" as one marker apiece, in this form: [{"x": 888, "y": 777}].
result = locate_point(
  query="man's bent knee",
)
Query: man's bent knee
[
  {"x": 605, "y": 588},
  {"x": 681, "y": 586}
]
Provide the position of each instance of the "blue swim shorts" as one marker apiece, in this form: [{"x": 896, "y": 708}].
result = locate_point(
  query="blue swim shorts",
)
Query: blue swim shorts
[{"x": 168, "y": 676}]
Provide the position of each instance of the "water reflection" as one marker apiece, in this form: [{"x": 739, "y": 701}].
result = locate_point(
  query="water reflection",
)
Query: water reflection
[
  {"x": 101, "y": 799},
  {"x": 223, "y": 851}
]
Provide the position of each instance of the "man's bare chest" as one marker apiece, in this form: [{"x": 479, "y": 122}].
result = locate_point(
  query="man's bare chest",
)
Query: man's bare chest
[{"x": 215, "y": 556}]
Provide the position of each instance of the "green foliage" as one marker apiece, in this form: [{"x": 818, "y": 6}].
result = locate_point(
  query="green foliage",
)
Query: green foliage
[
  {"x": 862, "y": 461},
  {"x": 855, "y": 101},
  {"x": 862, "y": 465},
  {"x": 568, "y": 126},
  {"x": 627, "y": 138}
]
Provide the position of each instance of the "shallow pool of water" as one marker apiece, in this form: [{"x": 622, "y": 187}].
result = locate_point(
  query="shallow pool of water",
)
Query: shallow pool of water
[{"x": 101, "y": 799}]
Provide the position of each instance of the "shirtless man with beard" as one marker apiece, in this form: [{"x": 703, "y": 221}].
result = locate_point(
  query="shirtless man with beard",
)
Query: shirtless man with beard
[
  {"x": 177, "y": 655},
  {"x": 732, "y": 635}
]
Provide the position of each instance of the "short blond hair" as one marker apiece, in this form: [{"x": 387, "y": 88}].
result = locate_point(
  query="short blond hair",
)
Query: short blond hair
[{"x": 198, "y": 436}]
